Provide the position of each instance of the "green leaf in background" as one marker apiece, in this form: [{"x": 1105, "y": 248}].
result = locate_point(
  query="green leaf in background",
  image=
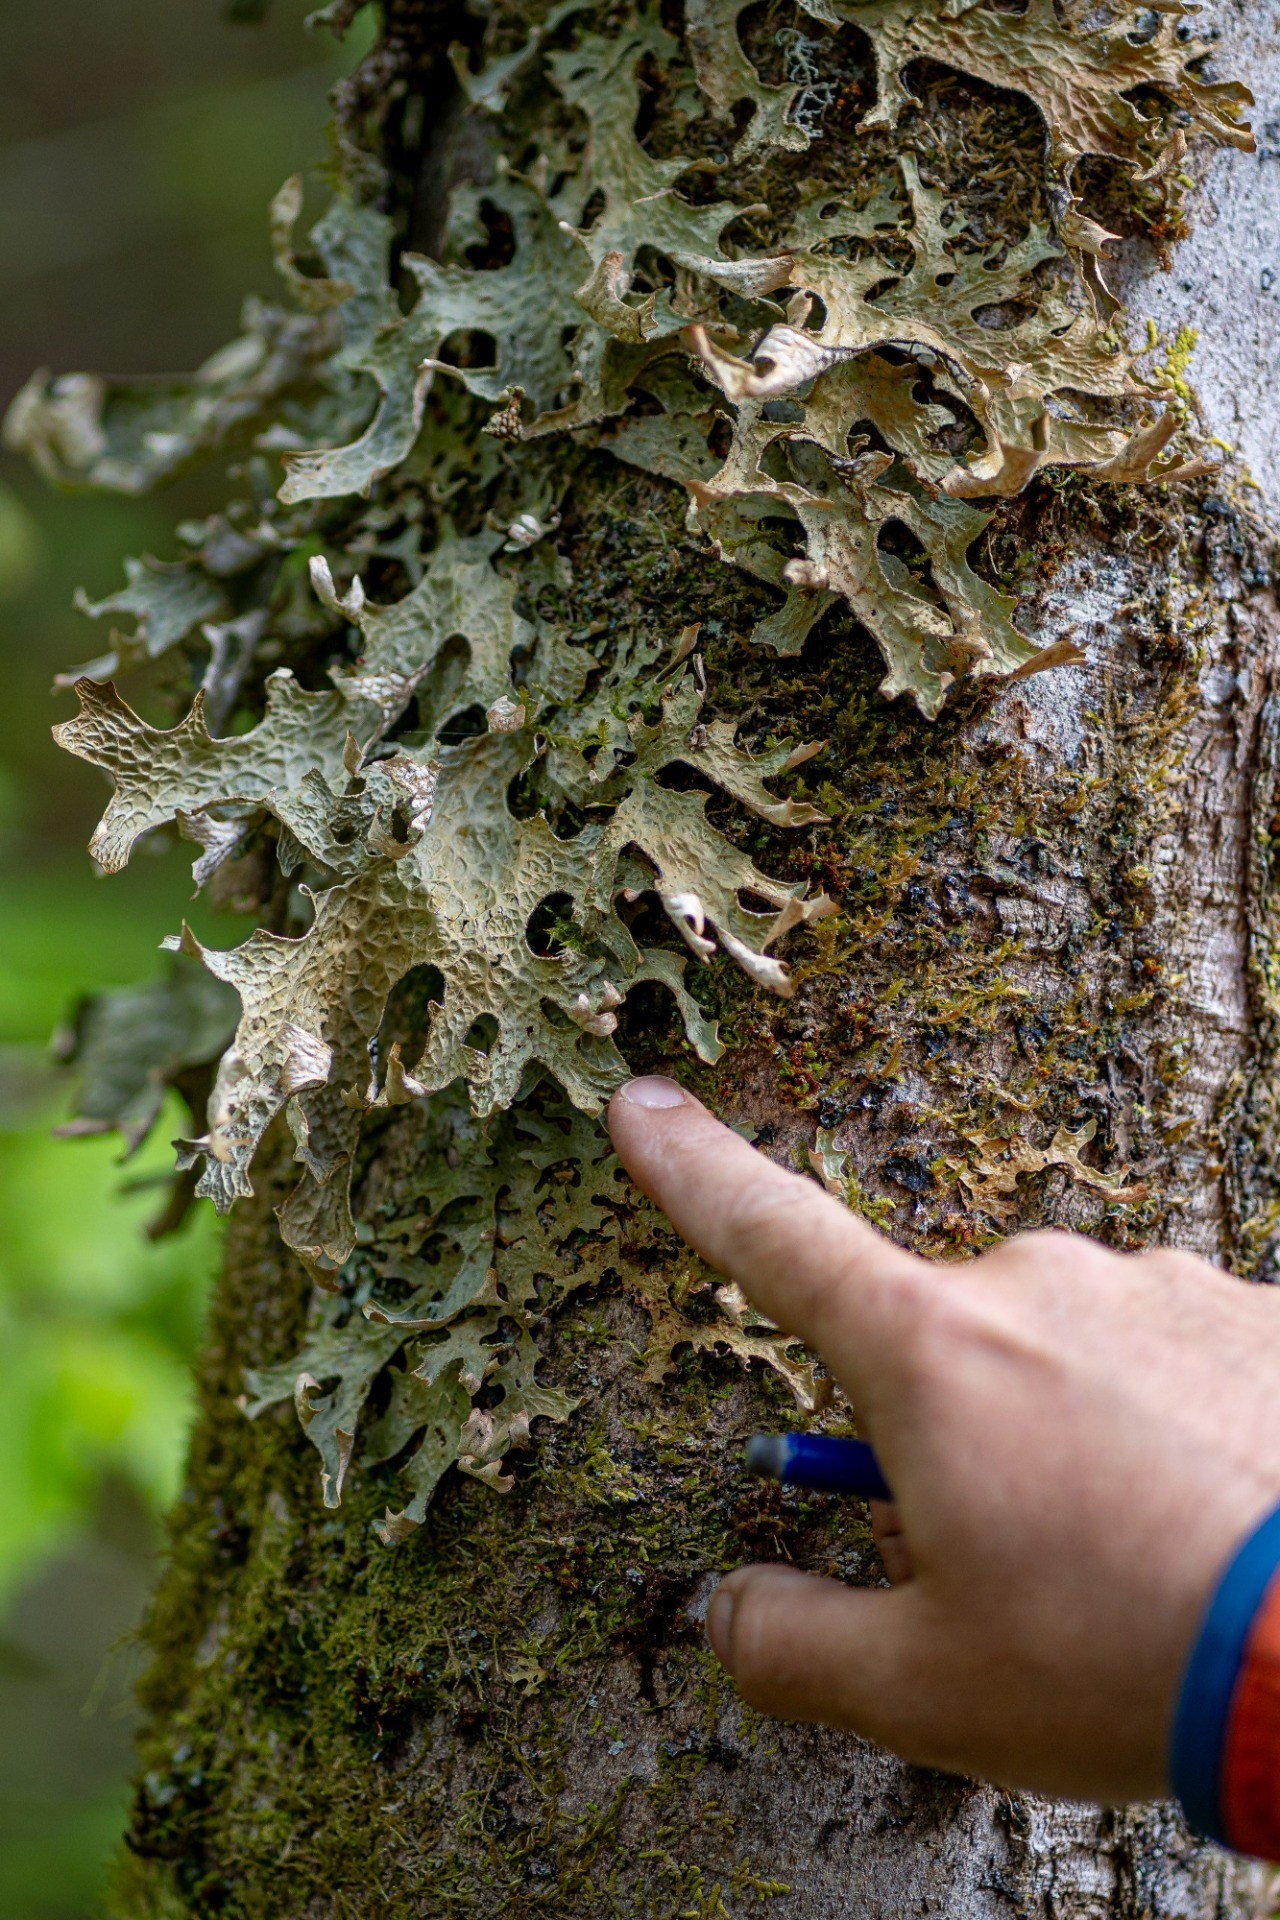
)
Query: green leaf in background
[
  {"x": 96, "y": 1327},
  {"x": 139, "y": 146},
  {"x": 19, "y": 544}
]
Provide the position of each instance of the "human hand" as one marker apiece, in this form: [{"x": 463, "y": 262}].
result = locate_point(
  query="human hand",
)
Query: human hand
[{"x": 1077, "y": 1441}]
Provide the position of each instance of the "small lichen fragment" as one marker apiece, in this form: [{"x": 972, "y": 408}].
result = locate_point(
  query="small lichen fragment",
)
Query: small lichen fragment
[
  {"x": 727, "y": 76},
  {"x": 128, "y": 1045},
  {"x": 1001, "y": 1163}
]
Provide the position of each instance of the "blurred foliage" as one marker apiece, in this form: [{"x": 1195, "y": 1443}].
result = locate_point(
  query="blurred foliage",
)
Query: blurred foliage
[
  {"x": 97, "y": 1324},
  {"x": 97, "y": 1327},
  {"x": 141, "y": 143},
  {"x": 161, "y": 164}
]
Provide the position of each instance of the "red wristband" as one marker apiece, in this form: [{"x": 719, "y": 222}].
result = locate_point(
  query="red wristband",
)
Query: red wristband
[
  {"x": 1251, "y": 1761},
  {"x": 1224, "y": 1756}
]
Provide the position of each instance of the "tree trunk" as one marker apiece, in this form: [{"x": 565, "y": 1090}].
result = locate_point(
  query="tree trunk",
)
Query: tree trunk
[{"x": 1048, "y": 997}]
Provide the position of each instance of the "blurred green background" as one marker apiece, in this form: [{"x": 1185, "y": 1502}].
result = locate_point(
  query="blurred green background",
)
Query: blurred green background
[{"x": 140, "y": 141}]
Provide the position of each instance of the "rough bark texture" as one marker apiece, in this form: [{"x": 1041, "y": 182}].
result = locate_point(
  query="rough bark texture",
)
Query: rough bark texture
[{"x": 1056, "y": 908}]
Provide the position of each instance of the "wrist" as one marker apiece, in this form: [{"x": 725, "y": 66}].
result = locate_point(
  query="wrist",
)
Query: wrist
[{"x": 1225, "y": 1758}]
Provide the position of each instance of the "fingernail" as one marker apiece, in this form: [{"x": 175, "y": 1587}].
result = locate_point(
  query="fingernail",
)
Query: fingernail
[
  {"x": 655, "y": 1090},
  {"x": 720, "y": 1624}
]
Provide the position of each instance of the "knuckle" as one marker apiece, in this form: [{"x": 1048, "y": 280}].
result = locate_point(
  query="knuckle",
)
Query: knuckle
[
  {"x": 1041, "y": 1249},
  {"x": 938, "y": 1319},
  {"x": 768, "y": 1222},
  {"x": 764, "y": 1220},
  {"x": 1171, "y": 1282},
  {"x": 821, "y": 1294},
  {"x": 1170, "y": 1264},
  {"x": 1047, "y": 1255}
]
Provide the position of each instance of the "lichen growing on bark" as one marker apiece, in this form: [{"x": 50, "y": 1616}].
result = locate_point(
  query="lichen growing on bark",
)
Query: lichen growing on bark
[
  {"x": 450, "y": 785},
  {"x": 518, "y": 1217}
]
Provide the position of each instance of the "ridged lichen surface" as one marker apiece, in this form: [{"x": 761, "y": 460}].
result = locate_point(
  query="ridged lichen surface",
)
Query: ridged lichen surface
[{"x": 483, "y": 836}]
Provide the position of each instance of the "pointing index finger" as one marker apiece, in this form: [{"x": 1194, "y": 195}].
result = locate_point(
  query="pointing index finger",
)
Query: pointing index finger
[{"x": 799, "y": 1256}]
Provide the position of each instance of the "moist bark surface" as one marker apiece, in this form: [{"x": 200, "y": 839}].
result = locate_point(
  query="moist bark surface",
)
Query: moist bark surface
[{"x": 1055, "y": 913}]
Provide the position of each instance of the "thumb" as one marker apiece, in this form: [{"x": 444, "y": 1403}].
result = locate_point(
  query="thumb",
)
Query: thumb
[{"x": 802, "y": 1648}]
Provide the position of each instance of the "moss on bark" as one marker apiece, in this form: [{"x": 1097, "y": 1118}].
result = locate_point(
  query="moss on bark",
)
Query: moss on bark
[
  {"x": 450, "y": 1728},
  {"x": 513, "y": 1712}
]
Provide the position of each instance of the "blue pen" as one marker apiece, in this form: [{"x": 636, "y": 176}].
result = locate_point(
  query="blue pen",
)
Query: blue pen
[{"x": 813, "y": 1460}]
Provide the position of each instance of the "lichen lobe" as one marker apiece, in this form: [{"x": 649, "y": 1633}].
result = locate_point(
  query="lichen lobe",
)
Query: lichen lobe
[{"x": 467, "y": 770}]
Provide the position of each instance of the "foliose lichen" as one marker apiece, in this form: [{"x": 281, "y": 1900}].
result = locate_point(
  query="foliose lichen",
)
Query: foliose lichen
[{"x": 472, "y": 794}]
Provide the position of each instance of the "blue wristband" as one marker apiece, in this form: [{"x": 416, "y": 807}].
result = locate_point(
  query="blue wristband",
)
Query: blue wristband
[{"x": 1203, "y": 1718}]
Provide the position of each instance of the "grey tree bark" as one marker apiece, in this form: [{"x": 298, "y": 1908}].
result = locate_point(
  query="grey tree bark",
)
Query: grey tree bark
[{"x": 512, "y": 1713}]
